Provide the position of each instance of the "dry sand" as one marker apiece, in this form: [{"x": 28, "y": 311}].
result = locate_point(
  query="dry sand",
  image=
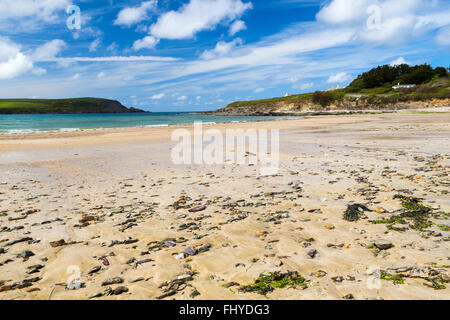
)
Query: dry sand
[{"x": 254, "y": 224}]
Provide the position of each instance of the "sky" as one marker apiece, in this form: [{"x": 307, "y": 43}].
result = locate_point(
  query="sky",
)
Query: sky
[{"x": 197, "y": 55}]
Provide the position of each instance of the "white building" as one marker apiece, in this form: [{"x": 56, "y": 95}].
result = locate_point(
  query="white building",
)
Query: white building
[{"x": 401, "y": 86}]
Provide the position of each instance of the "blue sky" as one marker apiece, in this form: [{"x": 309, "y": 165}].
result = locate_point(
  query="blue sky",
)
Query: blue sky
[{"x": 193, "y": 55}]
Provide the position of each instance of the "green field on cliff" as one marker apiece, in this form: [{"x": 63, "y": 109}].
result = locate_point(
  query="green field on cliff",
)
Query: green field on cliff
[{"x": 58, "y": 106}]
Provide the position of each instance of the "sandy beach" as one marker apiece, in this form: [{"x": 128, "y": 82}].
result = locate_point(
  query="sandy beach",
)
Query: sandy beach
[{"x": 111, "y": 207}]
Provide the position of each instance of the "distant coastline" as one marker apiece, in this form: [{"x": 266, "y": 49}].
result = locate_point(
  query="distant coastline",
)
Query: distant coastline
[{"x": 63, "y": 106}]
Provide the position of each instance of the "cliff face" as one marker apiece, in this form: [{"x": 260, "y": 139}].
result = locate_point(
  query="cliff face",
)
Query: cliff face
[
  {"x": 63, "y": 106},
  {"x": 349, "y": 104}
]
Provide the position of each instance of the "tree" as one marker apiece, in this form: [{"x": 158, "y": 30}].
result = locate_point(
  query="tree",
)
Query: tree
[{"x": 441, "y": 72}]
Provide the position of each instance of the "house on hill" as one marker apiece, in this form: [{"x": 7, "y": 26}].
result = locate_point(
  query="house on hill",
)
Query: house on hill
[{"x": 403, "y": 86}]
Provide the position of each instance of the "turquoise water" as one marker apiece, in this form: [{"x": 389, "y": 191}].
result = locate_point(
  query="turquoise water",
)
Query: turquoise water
[{"x": 10, "y": 124}]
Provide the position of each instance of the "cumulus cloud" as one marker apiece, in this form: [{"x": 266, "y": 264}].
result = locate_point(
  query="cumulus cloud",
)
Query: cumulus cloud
[
  {"x": 29, "y": 14},
  {"x": 398, "y": 62},
  {"x": 158, "y": 96},
  {"x": 13, "y": 62},
  {"x": 148, "y": 42},
  {"x": 48, "y": 51},
  {"x": 15, "y": 66},
  {"x": 384, "y": 20},
  {"x": 132, "y": 15},
  {"x": 182, "y": 98},
  {"x": 44, "y": 9},
  {"x": 196, "y": 16},
  {"x": 340, "y": 77},
  {"x": 237, "y": 26},
  {"x": 222, "y": 48}
]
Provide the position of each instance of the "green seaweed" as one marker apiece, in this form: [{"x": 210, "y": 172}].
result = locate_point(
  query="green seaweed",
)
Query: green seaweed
[
  {"x": 443, "y": 227},
  {"x": 396, "y": 278},
  {"x": 421, "y": 224},
  {"x": 267, "y": 283},
  {"x": 393, "y": 219}
]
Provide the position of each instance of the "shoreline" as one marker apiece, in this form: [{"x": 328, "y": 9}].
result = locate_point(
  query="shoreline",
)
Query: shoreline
[{"x": 294, "y": 116}]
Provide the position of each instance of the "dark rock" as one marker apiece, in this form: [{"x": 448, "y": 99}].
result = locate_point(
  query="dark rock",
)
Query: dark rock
[
  {"x": 104, "y": 260},
  {"x": 194, "y": 293},
  {"x": 116, "y": 280},
  {"x": 19, "y": 240},
  {"x": 231, "y": 284},
  {"x": 58, "y": 243},
  {"x": 120, "y": 290},
  {"x": 26, "y": 254},
  {"x": 95, "y": 270},
  {"x": 312, "y": 253},
  {"x": 382, "y": 244},
  {"x": 197, "y": 209},
  {"x": 190, "y": 251}
]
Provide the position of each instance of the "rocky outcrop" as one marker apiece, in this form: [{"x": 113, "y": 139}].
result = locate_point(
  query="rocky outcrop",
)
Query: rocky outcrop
[{"x": 350, "y": 104}]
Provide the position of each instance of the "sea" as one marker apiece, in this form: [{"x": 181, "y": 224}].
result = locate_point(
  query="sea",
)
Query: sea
[{"x": 29, "y": 123}]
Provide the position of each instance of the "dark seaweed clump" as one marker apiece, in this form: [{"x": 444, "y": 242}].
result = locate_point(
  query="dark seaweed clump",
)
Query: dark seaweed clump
[{"x": 267, "y": 283}]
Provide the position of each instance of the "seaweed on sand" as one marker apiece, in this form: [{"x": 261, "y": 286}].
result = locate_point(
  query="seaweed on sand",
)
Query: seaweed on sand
[
  {"x": 267, "y": 283},
  {"x": 354, "y": 211}
]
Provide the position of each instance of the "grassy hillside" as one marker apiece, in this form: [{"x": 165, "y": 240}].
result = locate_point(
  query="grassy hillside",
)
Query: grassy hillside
[
  {"x": 430, "y": 84},
  {"x": 78, "y": 105}
]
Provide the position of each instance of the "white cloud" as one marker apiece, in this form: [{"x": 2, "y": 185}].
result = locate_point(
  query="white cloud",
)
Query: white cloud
[
  {"x": 258, "y": 90},
  {"x": 196, "y": 16},
  {"x": 112, "y": 47},
  {"x": 222, "y": 48},
  {"x": 111, "y": 59},
  {"x": 340, "y": 77},
  {"x": 158, "y": 96},
  {"x": 148, "y": 42},
  {"x": 237, "y": 26},
  {"x": 49, "y": 50},
  {"x": 182, "y": 98},
  {"x": 94, "y": 45},
  {"x": 398, "y": 62},
  {"x": 304, "y": 86},
  {"x": 385, "y": 20},
  {"x": 343, "y": 11},
  {"x": 12, "y": 61},
  {"x": 15, "y": 66},
  {"x": 76, "y": 76},
  {"x": 42, "y": 9},
  {"x": 101, "y": 75},
  {"x": 443, "y": 36},
  {"x": 132, "y": 15},
  {"x": 279, "y": 53}
]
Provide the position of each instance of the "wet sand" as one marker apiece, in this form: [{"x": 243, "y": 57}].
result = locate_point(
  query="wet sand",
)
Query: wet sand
[{"x": 121, "y": 208}]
